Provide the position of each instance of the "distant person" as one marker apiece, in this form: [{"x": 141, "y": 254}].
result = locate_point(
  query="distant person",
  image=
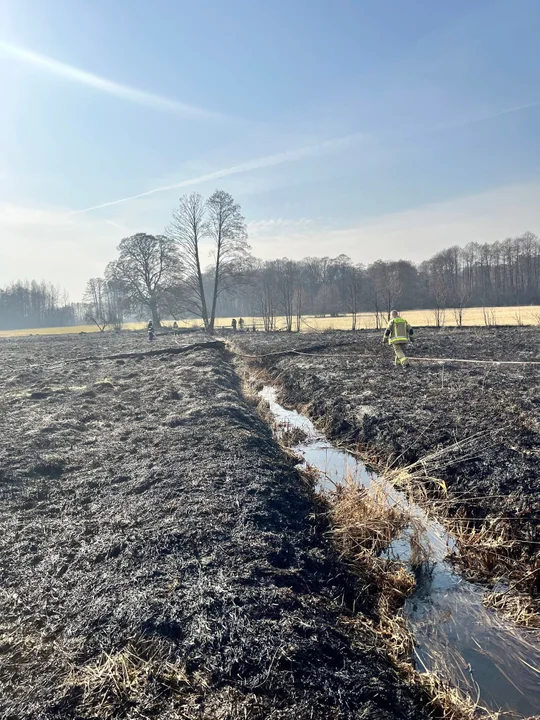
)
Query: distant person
[
  {"x": 398, "y": 333},
  {"x": 241, "y": 323},
  {"x": 175, "y": 327},
  {"x": 151, "y": 334},
  {"x": 233, "y": 323}
]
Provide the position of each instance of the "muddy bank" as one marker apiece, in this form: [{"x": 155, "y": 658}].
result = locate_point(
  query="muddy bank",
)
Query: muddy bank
[
  {"x": 485, "y": 417},
  {"x": 158, "y": 555}
]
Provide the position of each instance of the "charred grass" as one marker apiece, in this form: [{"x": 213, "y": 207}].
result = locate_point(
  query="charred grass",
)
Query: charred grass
[{"x": 160, "y": 557}]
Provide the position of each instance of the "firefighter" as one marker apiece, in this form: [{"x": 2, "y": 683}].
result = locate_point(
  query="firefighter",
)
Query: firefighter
[
  {"x": 398, "y": 333},
  {"x": 233, "y": 323}
]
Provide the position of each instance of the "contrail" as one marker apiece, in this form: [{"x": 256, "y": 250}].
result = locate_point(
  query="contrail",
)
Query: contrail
[
  {"x": 480, "y": 118},
  {"x": 110, "y": 87},
  {"x": 515, "y": 109},
  {"x": 258, "y": 163}
]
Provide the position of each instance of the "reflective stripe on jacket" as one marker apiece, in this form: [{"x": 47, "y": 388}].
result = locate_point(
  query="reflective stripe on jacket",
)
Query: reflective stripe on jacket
[{"x": 397, "y": 331}]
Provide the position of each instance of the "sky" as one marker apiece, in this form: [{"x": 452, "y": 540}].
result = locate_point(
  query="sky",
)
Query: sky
[{"x": 387, "y": 129}]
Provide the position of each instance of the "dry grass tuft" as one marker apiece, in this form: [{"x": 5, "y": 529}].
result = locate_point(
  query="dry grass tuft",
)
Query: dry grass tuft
[
  {"x": 363, "y": 520},
  {"x": 291, "y": 436},
  {"x": 487, "y": 553},
  {"x": 519, "y": 607},
  {"x": 449, "y": 703},
  {"x": 363, "y": 525},
  {"x": 113, "y": 681},
  {"x": 485, "y": 550}
]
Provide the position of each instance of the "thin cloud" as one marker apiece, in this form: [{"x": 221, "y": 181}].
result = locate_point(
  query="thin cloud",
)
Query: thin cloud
[
  {"x": 257, "y": 164},
  {"x": 124, "y": 92}
]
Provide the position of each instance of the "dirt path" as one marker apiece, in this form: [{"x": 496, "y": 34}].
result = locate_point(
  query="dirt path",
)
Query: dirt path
[{"x": 157, "y": 551}]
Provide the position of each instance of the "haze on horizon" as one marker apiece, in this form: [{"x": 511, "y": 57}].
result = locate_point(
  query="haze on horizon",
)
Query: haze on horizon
[{"x": 387, "y": 130}]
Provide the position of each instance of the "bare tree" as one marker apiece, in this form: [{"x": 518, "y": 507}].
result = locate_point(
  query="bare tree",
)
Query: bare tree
[
  {"x": 117, "y": 304},
  {"x": 287, "y": 280},
  {"x": 148, "y": 270},
  {"x": 490, "y": 317},
  {"x": 267, "y": 295},
  {"x": 218, "y": 222},
  {"x": 105, "y": 303},
  {"x": 298, "y": 305},
  {"x": 461, "y": 300},
  {"x": 227, "y": 229},
  {"x": 353, "y": 282},
  {"x": 375, "y": 302},
  {"x": 385, "y": 287},
  {"x": 188, "y": 230},
  {"x": 439, "y": 291},
  {"x": 96, "y": 303},
  {"x": 394, "y": 288}
]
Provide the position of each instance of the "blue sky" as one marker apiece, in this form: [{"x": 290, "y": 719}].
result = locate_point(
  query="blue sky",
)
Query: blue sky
[{"x": 379, "y": 129}]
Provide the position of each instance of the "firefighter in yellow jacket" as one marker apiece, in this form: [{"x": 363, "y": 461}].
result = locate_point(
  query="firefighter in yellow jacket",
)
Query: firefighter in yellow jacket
[{"x": 398, "y": 333}]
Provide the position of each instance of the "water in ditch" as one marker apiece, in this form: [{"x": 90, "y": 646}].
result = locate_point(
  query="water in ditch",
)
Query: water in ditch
[{"x": 468, "y": 645}]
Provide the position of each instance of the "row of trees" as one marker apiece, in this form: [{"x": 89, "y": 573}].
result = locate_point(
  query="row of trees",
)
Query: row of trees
[
  {"x": 201, "y": 267},
  {"x": 491, "y": 274},
  {"x": 166, "y": 275},
  {"x": 499, "y": 273},
  {"x": 169, "y": 279},
  {"x": 34, "y": 305}
]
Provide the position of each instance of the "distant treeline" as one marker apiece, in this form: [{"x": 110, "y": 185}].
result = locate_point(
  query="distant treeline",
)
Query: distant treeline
[
  {"x": 490, "y": 274},
  {"x": 34, "y": 305},
  {"x": 163, "y": 277}
]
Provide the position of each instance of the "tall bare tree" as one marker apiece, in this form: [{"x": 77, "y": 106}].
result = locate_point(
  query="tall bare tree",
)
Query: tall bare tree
[
  {"x": 149, "y": 271},
  {"x": 287, "y": 282},
  {"x": 353, "y": 286},
  {"x": 266, "y": 294},
  {"x": 117, "y": 304},
  {"x": 440, "y": 293},
  {"x": 188, "y": 230},
  {"x": 105, "y": 303},
  {"x": 227, "y": 230},
  {"x": 96, "y": 303}
]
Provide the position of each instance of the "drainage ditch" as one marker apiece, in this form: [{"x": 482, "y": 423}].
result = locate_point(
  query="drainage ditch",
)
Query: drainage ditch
[{"x": 467, "y": 645}]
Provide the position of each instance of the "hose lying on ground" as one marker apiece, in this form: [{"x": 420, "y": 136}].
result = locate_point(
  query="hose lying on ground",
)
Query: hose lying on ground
[{"x": 309, "y": 351}]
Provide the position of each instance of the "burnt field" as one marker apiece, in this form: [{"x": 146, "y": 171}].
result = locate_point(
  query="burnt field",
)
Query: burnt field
[
  {"x": 465, "y": 434},
  {"x": 158, "y": 553}
]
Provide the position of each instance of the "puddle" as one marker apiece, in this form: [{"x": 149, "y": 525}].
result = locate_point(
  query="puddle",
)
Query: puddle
[{"x": 471, "y": 647}]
